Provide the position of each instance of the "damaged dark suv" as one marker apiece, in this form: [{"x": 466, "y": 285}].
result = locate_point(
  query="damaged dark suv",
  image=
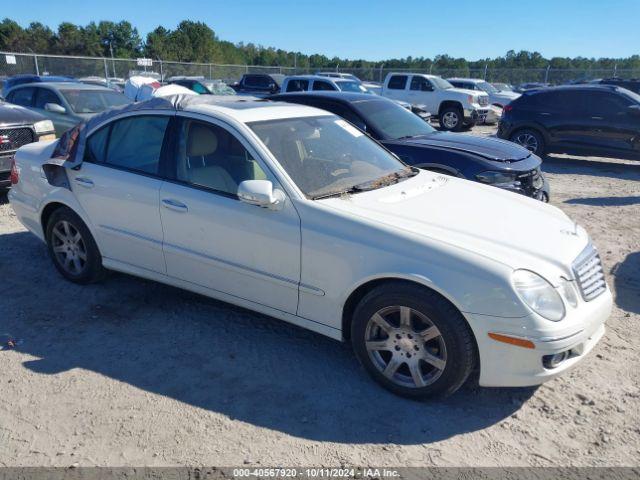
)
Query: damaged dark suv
[
  {"x": 486, "y": 160},
  {"x": 19, "y": 126}
]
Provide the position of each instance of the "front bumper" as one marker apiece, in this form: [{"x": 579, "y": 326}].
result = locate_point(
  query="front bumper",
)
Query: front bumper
[
  {"x": 5, "y": 169},
  {"x": 504, "y": 365},
  {"x": 531, "y": 184},
  {"x": 476, "y": 115}
]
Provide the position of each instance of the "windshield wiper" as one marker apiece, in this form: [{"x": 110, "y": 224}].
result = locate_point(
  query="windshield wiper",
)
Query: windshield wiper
[{"x": 384, "y": 181}]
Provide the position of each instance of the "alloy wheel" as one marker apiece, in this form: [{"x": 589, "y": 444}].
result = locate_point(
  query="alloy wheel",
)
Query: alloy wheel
[
  {"x": 450, "y": 120},
  {"x": 69, "y": 247},
  {"x": 405, "y": 346},
  {"x": 528, "y": 141}
]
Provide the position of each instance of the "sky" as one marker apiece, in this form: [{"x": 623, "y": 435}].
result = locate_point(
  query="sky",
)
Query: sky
[{"x": 377, "y": 30}]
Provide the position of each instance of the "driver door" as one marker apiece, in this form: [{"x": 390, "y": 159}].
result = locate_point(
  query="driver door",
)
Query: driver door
[{"x": 213, "y": 239}]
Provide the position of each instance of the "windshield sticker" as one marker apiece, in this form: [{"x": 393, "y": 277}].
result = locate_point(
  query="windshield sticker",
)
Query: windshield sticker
[{"x": 349, "y": 128}]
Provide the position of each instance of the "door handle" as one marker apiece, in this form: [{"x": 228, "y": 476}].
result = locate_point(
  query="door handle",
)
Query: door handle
[
  {"x": 175, "y": 205},
  {"x": 546, "y": 114},
  {"x": 85, "y": 182},
  {"x": 597, "y": 118}
]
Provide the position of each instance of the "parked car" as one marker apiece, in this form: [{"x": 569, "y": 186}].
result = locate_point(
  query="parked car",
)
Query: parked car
[
  {"x": 65, "y": 104},
  {"x": 16, "y": 80},
  {"x": 429, "y": 277},
  {"x": 632, "y": 84},
  {"x": 203, "y": 85},
  {"x": 589, "y": 119},
  {"x": 486, "y": 160},
  {"x": 307, "y": 83},
  {"x": 19, "y": 126},
  {"x": 496, "y": 97},
  {"x": 257, "y": 84},
  {"x": 504, "y": 87},
  {"x": 456, "y": 108}
]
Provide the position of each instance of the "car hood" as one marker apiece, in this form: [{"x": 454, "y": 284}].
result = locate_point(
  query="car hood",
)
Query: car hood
[
  {"x": 486, "y": 147},
  {"x": 506, "y": 227},
  {"x": 464, "y": 92},
  {"x": 16, "y": 115},
  {"x": 506, "y": 95}
]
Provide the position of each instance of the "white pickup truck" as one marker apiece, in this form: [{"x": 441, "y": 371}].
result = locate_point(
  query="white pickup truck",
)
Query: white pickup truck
[{"x": 455, "y": 107}]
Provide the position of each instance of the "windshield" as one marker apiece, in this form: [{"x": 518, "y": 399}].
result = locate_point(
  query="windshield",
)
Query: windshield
[
  {"x": 391, "y": 120},
  {"x": 487, "y": 87},
  {"x": 440, "y": 83},
  {"x": 219, "y": 88},
  {"x": 350, "y": 86},
  {"x": 93, "y": 101},
  {"x": 328, "y": 156}
]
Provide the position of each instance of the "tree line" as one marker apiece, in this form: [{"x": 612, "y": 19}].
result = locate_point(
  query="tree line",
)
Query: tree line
[{"x": 196, "y": 42}]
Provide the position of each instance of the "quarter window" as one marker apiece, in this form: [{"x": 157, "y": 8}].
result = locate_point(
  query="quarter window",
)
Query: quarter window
[
  {"x": 96, "y": 147},
  {"x": 211, "y": 157},
  {"x": 397, "y": 82}
]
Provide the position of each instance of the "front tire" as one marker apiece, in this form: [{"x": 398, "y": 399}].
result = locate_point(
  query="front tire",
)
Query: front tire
[
  {"x": 72, "y": 248},
  {"x": 529, "y": 139},
  {"x": 452, "y": 119},
  {"x": 412, "y": 341}
]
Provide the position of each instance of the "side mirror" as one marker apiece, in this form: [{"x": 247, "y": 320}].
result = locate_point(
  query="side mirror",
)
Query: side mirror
[
  {"x": 261, "y": 194},
  {"x": 634, "y": 110},
  {"x": 273, "y": 88},
  {"x": 54, "y": 108}
]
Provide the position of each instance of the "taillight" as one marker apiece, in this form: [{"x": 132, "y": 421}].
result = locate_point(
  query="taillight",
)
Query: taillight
[
  {"x": 14, "y": 177},
  {"x": 507, "y": 109}
]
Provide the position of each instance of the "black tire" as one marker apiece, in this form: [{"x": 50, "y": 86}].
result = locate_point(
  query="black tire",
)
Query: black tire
[
  {"x": 446, "y": 119},
  {"x": 530, "y": 139},
  {"x": 79, "y": 270},
  {"x": 455, "y": 342}
]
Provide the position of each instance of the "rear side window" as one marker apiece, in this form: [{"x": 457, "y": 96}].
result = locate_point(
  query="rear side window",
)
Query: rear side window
[
  {"x": 135, "y": 143},
  {"x": 23, "y": 96},
  {"x": 320, "y": 85},
  {"x": 45, "y": 96},
  {"x": 397, "y": 82},
  {"x": 298, "y": 85}
]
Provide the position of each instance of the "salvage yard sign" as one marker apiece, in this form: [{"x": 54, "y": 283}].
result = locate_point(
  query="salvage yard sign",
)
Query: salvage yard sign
[
  {"x": 11, "y": 59},
  {"x": 144, "y": 62}
]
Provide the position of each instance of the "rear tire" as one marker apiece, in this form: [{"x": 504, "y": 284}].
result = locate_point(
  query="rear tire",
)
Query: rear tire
[
  {"x": 452, "y": 119},
  {"x": 530, "y": 139},
  {"x": 412, "y": 341},
  {"x": 72, "y": 248}
]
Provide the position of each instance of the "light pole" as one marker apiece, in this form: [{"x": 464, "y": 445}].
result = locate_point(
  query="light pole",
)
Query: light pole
[{"x": 113, "y": 63}]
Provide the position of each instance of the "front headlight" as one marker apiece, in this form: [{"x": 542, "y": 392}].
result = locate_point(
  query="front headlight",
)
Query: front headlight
[
  {"x": 43, "y": 126},
  {"x": 568, "y": 292},
  {"x": 539, "y": 295},
  {"x": 472, "y": 99},
  {"x": 496, "y": 177}
]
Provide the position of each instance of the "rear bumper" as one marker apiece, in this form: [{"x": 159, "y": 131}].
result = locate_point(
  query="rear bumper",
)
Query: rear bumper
[{"x": 504, "y": 365}]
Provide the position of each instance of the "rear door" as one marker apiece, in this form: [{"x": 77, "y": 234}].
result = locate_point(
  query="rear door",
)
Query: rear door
[
  {"x": 396, "y": 87},
  {"x": 118, "y": 186},
  {"x": 322, "y": 85}
]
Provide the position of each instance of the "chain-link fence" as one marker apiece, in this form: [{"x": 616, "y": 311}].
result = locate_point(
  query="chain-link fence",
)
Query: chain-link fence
[{"x": 122, "y": 68}]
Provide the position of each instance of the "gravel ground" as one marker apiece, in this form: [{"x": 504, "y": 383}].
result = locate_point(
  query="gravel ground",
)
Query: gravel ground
[{"x": 130, "y": 372}]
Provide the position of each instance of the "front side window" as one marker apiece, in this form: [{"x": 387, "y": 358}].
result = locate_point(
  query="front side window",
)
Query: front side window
[
  {"x": 45, "y": 96},
  {"x": 320, "y": 85},
  {"x": 211, "y": 157},
  {"x": 397, "y": 82},
  {"x": 607, "y": 104},
  {"x": 93, "y": 101},
  {"x": 23, "y": 96},
  {"x": 420, "y": 84},
  {"x": 135, "y": 143},
  {"x": 327, "y": 156}
]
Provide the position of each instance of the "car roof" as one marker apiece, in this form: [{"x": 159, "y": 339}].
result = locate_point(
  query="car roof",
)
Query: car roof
[
  {"x": 475, "y": 80},
  {"x": 64, "y": 86},
  {"x": 343, "y": 97},
  {"x": 577, "y": 87}
]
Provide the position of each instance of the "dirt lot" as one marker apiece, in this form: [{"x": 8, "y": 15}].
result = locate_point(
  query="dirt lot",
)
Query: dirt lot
[{"x": 130, "y": 372}]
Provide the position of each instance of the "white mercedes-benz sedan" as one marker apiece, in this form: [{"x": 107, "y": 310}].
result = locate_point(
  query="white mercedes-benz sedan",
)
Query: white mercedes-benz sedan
[{"x": 293, "y": 212}]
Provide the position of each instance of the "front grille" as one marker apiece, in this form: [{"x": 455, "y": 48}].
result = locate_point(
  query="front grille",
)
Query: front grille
[
  {"x": 589, "y": 273},
  {"x": 483, "y": 101},
  {"x": 13, "y": 138},
  {"x": 532, "y": 180}
]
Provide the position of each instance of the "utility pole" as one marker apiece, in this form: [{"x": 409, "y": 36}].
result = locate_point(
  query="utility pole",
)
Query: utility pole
[{"x": 113, "y": 63}]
